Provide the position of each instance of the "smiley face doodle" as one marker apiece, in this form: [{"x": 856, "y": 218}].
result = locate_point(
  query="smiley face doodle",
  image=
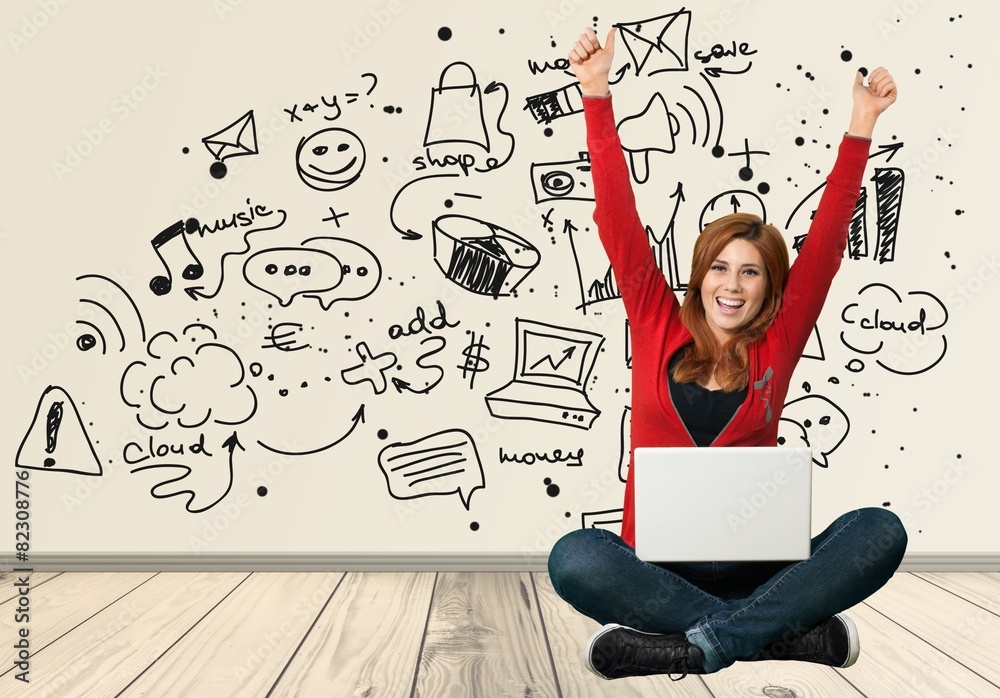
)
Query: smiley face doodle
[{"x": 330, "y": 159}]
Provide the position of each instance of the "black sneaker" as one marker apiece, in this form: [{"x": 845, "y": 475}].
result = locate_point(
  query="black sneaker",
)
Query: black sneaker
[
  {"x": 616, "y": 651},
  {"x": 833, "y": 642}
]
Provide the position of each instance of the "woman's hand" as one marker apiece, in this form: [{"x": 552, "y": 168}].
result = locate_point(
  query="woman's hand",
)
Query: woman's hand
[
  {"x": 591, "y": 63},
  {"x": 870, "y": 101}
]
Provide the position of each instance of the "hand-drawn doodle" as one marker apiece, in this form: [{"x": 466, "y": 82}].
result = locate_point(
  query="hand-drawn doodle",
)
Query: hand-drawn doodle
[
  {"x": 161, "y": 285},
  {"x": 238, "y": 138},
  {"x": 625, "y": 444},
  {"x": 482, "y": 257},
  {"x": 102, "y": 299},
  {"x": 652, "y": 129},
  {"x": 445, "y": 462},
  {"x": 814, "y": 347},
  {"x": 162, "y": 490},
  {"x": 732, "y": 201},
  {"x": 358, "y": 418},
  {"x": 888, "y": 209},
  {"x": 372, "y": 368},
  {"x": 189, "y": 381},
  {"x": 815, "y": 421},
  {"x": 282, "y": 337},
  {"x": 563, "y": 181},
  {"x": 198, "y": 292},
  {"x": 610, "y": 519},
  {"x": 330, "y": 159},
  {"x": 551, "y": 370},
  {"x": 572, "y": 459},
  {"x": 474, "y": 363},
  {"x": 56, "y": 439},
  {"x": 325, "y": 268},
  {"x": 746, "y": 172},
  {"x": 461, "y": 95},
  {"x": 401, "y": 384},
  {"x": 658, "y": 44},
  {"x": 548, "y": 106},
  {"x": 883, "y": 323},
  {"x": 410, "y": 233}
]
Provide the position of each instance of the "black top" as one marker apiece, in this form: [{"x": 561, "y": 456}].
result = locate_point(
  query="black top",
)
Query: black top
[{"x": 704, "y": 412}]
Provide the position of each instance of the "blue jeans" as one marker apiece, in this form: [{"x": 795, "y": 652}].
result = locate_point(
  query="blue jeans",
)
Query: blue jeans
[{"x": 731, "y": 610}]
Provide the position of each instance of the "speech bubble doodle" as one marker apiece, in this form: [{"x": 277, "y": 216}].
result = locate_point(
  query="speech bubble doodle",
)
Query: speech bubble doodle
[
  {"x": 286, "y": 272},
  {"x": 442, "y": 463},
  {"x": 815, "y": 421},
  {"x": 360, "y": 268}
]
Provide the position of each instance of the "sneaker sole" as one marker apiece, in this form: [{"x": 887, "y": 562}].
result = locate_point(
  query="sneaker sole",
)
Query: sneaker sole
[
  {"x": 589, "y": 648},
  {"x": 853, "y": 640}
]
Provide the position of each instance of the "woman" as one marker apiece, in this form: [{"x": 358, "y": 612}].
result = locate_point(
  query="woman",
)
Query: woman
[{"x": 715, "y": 372}]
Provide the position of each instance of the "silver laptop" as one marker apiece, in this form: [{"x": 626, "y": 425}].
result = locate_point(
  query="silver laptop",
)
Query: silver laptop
[{"x": 722, "y": 504}]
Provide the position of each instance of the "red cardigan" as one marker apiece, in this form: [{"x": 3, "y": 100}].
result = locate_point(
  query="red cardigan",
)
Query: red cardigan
[{"x": 654, "y": 312}]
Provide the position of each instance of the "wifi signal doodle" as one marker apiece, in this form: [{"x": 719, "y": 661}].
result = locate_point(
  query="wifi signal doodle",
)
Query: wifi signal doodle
[{"x": 96, "y": 311}]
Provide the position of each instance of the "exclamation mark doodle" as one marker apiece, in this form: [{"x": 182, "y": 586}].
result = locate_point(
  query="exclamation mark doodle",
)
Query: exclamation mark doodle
[{"x": 53, "y": 420}]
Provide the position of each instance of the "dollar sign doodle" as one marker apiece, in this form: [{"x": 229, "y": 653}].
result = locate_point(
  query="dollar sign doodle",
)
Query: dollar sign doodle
[{"x": 474, "y": 361}]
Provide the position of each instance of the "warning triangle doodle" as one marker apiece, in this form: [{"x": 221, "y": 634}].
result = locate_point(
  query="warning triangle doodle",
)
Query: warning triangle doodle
[{"x": 57, "y": 439}]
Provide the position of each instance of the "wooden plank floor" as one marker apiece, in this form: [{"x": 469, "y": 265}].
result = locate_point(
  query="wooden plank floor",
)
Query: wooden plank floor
[{"x": 442, "y": 634}]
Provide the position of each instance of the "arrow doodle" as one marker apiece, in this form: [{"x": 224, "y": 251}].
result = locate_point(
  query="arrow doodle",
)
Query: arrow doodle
[{"x": 358, "y": 417}]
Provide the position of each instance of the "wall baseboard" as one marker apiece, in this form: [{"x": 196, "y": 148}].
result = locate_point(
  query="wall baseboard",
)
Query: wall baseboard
[{"x": 385, "y": 562}]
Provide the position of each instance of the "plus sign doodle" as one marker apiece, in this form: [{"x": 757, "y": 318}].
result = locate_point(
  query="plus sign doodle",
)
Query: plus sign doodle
[{"x": 371, "y": 368}]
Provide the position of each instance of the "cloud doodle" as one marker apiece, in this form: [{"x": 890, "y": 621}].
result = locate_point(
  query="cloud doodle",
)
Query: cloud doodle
[{"x": 188, "y": 380}]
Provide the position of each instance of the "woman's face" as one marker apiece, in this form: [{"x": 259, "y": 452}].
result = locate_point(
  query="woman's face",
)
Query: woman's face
[{"x": 734, "y": 288}]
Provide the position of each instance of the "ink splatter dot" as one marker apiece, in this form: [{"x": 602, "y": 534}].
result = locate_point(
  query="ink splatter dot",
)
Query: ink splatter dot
[
  {"x": 382, "y": 434},
  {"x": 218, "y": 170},
  {"x": 548, "y": 132},
  {"x": 800, "y": 141},
  {"x": 448, "y": 203},
  {"x": 474, "y": 526},
  {"x": 863, "y": 70},
  {"x": 718, "y": 151},
  {"x": 781, "y": 440},
  {"x": 502, "y": 30},
  {"x": 49, "y": 462},
  {"x": 959, "y": 212},
  {"x": 917, "y": 71},
  {"x": 444, "y": 33},
  {"x": 261, "y": 491},
  {"x": 283, "y": 392},
  {"x": 185, "y": 150},
  {"x": 569, "y": 515},
  {"x": 763, "y": 188},
  {"x": 885, "y": 504},
  {"x": 846, "y": 56},
  {"x": 746, "y": 174},
  {"x": 551, "y": 489}
]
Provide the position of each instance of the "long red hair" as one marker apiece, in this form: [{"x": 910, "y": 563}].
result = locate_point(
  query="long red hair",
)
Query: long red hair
[{"x": 729, "y": 362}]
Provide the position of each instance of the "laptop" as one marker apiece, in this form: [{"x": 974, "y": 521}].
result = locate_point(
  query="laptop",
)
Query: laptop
[
  {"x": 552, "y": 368},
  {"x": 723, "y": 504}
]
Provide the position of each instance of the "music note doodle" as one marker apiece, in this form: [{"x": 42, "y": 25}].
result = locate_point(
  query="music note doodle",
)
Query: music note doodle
[{"x": 161, "y": 285}]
